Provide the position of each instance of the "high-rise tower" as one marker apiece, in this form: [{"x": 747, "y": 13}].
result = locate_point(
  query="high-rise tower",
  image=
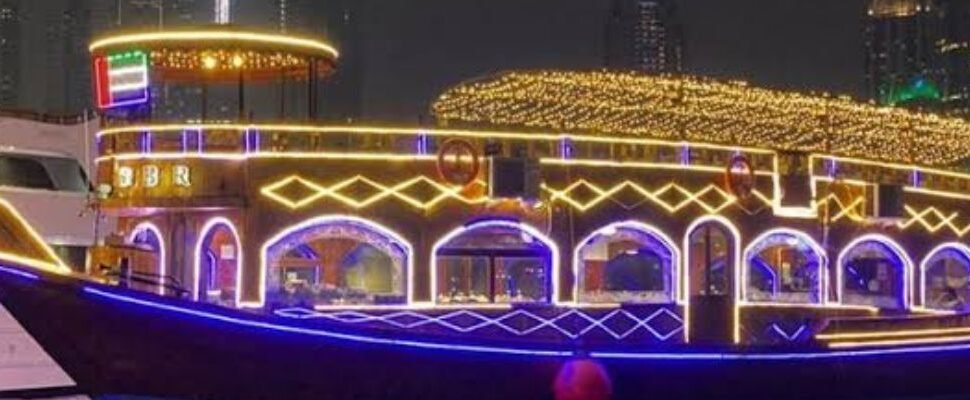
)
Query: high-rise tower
[
  {"x": 644, "y": 35},
  {"x": 955, "y": 55},
  {"x": 10, "y": 46},
  {"x": 902, "y": 61}
]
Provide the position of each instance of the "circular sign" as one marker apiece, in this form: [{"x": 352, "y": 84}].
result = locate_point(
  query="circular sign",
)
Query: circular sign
[
  {"x": 458, "y": 162},
  {"x": 739, "y": 177}
]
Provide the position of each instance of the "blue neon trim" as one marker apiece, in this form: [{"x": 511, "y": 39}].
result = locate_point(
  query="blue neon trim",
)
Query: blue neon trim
[
  {"x": 328, "y": 334},
  {"x": 686, "y": 356},
  {"x": 19, "y": 273}
]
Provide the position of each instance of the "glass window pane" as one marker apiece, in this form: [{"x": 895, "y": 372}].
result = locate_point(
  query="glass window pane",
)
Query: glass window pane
[
  {"x": 873, "y": 275},
  {"x": 67, "y": 174},
  {"x": 24, "y": 172},
  {"x": 495, "y": 262},
  {"x": 710, "y": 261},
  {"x": 336, "y": 264},
  {"x": 463, "y": 280},
  {"x": 625, "y": 265},
  {"x": 947, "y": 280},
  {"x": 520, "y": 280},
  {"x": 783, "y": 268}
]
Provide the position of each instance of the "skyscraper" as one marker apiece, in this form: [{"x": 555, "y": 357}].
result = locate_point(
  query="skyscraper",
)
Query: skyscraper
[
  {"x": 918, "y": 54},
  {"x": 68, "y": 88},
  {"x": 644, "y": 35},
  {"x": 337, "y": 22},
  {"x": 955, "y": 54},
  {"x": 10, "y": 46},
  {"x": 902, "y": 60}
]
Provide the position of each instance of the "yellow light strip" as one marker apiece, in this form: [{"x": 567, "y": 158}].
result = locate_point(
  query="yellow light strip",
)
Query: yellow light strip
[
  {"x": 636, "y": 164},
  {"x": 829, "y": 306},
  {"x": 851, "y": 211},
  {"x": 55, "y": 264},
  {"x": 899, "y": 342},
  {"x": 197, "y": 36},
  {"x": 890, "y": 165},
  {"x": 483, "y": 134},
  {"x": 893, "y": 334},
  {"x": 603, "y": 194},
  {"x": 293, "y": 155},
  {"x": 940, "y": 193},
  {"x": 945, "y": 220},
  {"x": 393, "y": 157},
  {"x": 382, "y": 192}
]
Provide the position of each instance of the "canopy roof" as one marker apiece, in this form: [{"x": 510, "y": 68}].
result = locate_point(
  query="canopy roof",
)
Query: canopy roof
[
  {"x": 221, "y": 52},
  {"x": 701, "y": 110}
]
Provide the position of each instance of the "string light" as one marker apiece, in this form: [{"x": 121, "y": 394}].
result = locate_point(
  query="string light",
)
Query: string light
[
  {"x": 216, "y": 35},
  {"x": 696, "y": 109},
  {"x": 400, "y": 191}
]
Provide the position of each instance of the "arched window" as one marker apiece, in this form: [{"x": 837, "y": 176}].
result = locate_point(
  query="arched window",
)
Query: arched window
[
  {"x": 873, "y": 270},
  {"x": 151, "y": 267},
  {"x": 494, "y": 261},
  {"x": 785, "y": 266},
  {"x": 218, "y": 257},
  {"x": 711, "y": 253},
  {"x": 626, "y": 262},
  {"x": 336, "y": 260},
  {"x": 946, "y": 274}
]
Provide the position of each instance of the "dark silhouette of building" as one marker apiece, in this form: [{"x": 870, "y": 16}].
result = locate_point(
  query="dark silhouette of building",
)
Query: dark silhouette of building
[
  {"x": 644, "y": 35},
  {"x": 337, "y": 21},
  {"x": 955, "y": 54},
  {"x": 902, "y": 61},
  {"x": 10, "y": 47},
  {"x": 68, "y": 87},
  {"x": 918, "y": 54}
]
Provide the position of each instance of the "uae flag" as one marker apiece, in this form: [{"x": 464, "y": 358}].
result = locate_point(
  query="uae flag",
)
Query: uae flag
[{"x": 121, "y": 79}]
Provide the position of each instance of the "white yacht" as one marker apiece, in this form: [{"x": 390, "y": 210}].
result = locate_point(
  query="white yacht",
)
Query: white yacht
[{"x": 44, "y": 164}]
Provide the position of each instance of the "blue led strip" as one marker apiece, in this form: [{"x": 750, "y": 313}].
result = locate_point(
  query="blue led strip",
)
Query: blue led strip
[
  {"x": 328, "y": 334},
  {"x": 699, "y": 356},
  {"x": 17, "y": 272}
]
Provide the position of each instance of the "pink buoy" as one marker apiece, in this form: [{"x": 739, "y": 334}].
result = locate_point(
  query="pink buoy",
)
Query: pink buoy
[{"x": 582, "y": 379}]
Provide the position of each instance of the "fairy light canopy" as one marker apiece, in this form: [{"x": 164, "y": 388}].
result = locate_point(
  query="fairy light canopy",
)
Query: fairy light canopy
[
  {"x": 703, "y": 110},
  {"x": 221, "y": 52}
]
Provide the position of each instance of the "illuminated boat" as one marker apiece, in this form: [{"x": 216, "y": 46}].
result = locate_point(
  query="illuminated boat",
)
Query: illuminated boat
[{"x": 675, "y": 229}]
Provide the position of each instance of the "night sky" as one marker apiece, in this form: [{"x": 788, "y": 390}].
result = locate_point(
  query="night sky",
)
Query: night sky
[{"x": 415, "y": 49}]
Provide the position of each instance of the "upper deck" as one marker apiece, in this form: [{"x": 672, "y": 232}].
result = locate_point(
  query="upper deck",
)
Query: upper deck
[{"x": 702, "y": 110}]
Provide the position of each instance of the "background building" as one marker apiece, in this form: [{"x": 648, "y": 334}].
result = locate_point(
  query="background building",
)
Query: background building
[
  {"x": 917, "y": 54},
  {"x": 68, "y": 87},
  {"x": 644, "y": 35},
  {"x": 337, "y": 21},
  {"x": 955, "y": 49},
  {"x": 10, "y": 26},
  {"x": 902, "y": 61}
]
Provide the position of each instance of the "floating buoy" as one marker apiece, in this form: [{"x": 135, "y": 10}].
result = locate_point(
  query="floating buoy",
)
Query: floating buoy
[{"x": 582, "y": 379}]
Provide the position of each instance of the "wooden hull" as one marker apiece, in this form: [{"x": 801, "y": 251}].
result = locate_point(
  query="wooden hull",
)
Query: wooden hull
[{"x": 115, "y": 341}]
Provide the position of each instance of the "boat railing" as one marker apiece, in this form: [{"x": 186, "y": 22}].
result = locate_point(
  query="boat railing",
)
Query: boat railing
[{"x": 234, "y": 141}]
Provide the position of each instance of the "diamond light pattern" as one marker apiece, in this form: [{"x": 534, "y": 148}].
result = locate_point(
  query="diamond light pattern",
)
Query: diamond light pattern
[
  {"x": 853, "y": 210},
  {"x": 662, "y": 324},
  {"x": 670, "y": 196},
  {"x": 361, "y": 191},
  {"x": 933, "y": 220}
]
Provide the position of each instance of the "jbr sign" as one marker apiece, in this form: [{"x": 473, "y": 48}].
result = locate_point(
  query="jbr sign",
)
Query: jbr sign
[{"x": 151, "y": 176}]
